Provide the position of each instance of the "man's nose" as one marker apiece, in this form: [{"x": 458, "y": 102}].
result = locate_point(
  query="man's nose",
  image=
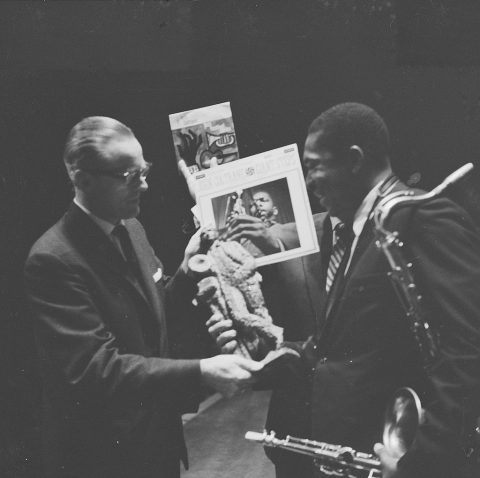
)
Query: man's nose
[
  {"x": 309, "y": 180},
  {"x": 313, "y": 179},
  {"x": 143, "y": 184}
]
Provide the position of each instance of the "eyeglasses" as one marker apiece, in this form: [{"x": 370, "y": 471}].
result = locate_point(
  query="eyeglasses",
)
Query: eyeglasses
[{"x": 130, "y": 176}]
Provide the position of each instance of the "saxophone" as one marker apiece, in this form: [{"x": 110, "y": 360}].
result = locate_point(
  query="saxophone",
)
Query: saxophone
[
  {"x": 403, "y": 413},
  {"x": 401, "y": 270}
]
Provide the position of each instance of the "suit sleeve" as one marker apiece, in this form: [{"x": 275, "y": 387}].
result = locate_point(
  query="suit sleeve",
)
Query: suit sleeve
[
  {"x": 446, "y": 262},
  {"x": 187, "y": 334},
  {"x": 81, "y": 349}
]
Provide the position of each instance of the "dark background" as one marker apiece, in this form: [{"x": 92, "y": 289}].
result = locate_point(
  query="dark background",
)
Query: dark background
[{"x": 279, "y": 63}]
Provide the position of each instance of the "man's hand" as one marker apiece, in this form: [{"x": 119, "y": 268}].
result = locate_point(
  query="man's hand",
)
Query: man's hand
[
  {"x": 254, "y": 229},
  {"x": 193, "y": 247},
  {"x": 389, "y": 462},
  {"x": 222, "y": 331},
  {"x": 190, "y": 178},
  {"x": 228, "y": 374}
]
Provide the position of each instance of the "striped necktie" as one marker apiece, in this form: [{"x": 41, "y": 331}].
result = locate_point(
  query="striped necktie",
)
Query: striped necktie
[{"x": 343, "y": 236}]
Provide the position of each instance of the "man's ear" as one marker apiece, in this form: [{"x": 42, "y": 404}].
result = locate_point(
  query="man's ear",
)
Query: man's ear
[
  {"x": 80, "y": 179},
  {"x": 357, "y": 157},
  {"x": 275, "y": 211}
]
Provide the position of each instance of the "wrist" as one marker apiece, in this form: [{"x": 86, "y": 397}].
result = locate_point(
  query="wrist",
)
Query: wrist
[
  {"x": 273, "y": 245},
  {"x": 204, "y": 371},
  {"x": 184, "y": 265}
]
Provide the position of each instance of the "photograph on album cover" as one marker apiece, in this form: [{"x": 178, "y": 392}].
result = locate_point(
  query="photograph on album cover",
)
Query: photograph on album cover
[{"x": 269, "y": 202}]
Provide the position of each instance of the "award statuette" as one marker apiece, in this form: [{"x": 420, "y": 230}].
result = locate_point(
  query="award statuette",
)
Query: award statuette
[{"x": 229, "y": 284}]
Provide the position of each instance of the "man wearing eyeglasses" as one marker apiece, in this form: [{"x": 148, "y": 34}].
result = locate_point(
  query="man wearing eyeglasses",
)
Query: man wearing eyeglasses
[{"x": 112, "y": 399}]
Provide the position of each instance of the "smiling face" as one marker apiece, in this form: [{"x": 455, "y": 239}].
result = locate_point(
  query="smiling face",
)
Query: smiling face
[
  {"x": 330, "y": 176},
  {"x": 113, "y": 198}
]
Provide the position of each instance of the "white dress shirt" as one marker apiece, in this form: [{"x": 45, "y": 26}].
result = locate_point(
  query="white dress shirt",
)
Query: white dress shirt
[{"x": 361, "y": 216}]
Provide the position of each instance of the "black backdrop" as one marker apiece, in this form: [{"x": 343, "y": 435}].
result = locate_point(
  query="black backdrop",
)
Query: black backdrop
[{"x": 280, "y": 63}]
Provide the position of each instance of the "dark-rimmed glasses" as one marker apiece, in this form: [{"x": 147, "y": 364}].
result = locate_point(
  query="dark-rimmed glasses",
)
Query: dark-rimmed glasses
[{"x": 129, "y": 176}]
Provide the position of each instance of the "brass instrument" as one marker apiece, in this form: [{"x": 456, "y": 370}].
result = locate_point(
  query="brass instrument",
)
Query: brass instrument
[
  {"x": 401, "y": 270},
  {"x": 401, "y": 421}
]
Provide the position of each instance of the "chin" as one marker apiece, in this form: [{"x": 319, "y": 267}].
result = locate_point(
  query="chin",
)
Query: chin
[
  {"x": 131, "y": 212},
  {"x": 324, "y": 203}
]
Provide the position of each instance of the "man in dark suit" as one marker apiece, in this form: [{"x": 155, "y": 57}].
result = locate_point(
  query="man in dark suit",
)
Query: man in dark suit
[
  {"x": 112, "y": 398},
  {"x": 365, "y": 349}
]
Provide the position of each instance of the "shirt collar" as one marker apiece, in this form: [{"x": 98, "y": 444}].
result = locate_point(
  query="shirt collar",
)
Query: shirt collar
[
  {"x": 361, "y": 216},
  {"x": 334, "y": 221},
  {"x": 105, "y": 226}
]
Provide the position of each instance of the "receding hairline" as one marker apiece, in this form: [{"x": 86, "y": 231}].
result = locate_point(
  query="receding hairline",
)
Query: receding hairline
[{"x": 87, "y": 140}]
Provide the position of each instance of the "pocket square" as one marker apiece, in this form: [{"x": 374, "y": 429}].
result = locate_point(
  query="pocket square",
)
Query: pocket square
[{"x": 158, "y": 275}]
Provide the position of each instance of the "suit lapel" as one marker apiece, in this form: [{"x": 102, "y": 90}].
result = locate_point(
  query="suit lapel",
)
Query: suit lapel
[
  {"x": 365, "y": 239},
  {"x": 339, "y": 285},
  {"x": 391, "y": 184},
  {"x": 150, "y": 289},
  {"x": 94, "y": 244},
  {"x": 143, "y": 263}
]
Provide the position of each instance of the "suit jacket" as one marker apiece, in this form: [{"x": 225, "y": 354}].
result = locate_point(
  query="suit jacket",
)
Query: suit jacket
[
  {"x": 294, "y": 292},
  {"x": 112, "y": 398},
  {"x": 365, "y": 349}
]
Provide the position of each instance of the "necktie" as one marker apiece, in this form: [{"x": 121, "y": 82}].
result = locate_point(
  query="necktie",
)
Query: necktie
[
  {"x": 343, "y": 237},
  {"x": 148, "y": 325},
  {"x": 121, "y": 233}
]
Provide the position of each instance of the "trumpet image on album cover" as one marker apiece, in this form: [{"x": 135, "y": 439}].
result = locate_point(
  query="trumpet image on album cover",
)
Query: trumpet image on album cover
[{"x": 204, "y": 133}]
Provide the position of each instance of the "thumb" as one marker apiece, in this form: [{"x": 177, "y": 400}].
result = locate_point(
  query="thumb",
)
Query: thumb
[
  {"x": 249, "y": 365},
  {"x": 213, "y": 162},
  {"x": 379, "y": 449},
  {"x": 182, "y": 167}
]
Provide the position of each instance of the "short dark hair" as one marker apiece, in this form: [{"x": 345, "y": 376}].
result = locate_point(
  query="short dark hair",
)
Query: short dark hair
[
  {"x": 261, "y": 189},
  {"x": 349, "y": 124},
  {"x": 87, "y": 139}
]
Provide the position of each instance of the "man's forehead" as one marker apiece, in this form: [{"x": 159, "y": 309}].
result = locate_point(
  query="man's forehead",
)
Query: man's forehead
[
  {"x": 316, "y": 139},
  {"x": 123, "y": 152},
  {"x": 261, "y": 195}
]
